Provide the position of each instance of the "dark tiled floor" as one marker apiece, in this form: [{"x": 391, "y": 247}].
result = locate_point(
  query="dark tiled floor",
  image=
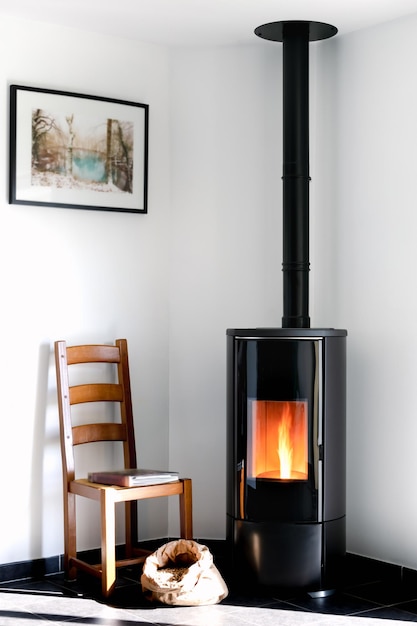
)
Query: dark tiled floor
[{"x": 373, "y": 594}]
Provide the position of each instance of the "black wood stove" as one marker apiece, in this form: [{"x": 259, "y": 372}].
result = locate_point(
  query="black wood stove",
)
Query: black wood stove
[{"x": 286, "y": 495}]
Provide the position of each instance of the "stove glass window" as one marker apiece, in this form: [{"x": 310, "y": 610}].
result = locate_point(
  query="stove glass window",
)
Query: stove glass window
[{"x": 278, "y": 439}]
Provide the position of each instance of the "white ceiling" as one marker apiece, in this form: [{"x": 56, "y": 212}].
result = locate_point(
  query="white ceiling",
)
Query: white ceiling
[{"x": 206, "y": 22}]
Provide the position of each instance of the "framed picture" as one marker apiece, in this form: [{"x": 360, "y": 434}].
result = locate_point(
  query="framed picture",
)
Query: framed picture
[{"x": 77, "y": 151}]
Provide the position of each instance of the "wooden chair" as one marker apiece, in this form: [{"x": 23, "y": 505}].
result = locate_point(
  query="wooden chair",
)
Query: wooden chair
[{"x": 108, "y": 496}]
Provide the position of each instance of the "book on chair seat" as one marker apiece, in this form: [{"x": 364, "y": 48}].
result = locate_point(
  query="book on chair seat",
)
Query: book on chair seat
[{"x": 133, "y": 477}]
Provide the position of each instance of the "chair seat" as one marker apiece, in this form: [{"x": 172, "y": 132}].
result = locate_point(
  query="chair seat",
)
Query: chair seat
[{"x": 83, "y": 487}]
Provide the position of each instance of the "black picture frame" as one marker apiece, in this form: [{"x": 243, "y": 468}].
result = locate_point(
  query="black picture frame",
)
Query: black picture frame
[{"x": 77, "y": 151}]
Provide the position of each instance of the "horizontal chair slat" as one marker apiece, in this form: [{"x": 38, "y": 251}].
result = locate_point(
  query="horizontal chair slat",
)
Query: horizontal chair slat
[
  {"x": 96, "y": 392},
  {"x": 92, "y": 354},
  {"x": 98, "y": 432}
]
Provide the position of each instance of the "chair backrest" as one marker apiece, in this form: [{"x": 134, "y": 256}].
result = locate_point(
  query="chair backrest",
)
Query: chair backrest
[{"x": 115, "y": 392}]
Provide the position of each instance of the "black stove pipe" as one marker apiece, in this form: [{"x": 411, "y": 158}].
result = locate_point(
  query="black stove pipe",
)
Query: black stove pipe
[
  {"x": 295, "y": 176},
  {"x": 295, "y": 37}
]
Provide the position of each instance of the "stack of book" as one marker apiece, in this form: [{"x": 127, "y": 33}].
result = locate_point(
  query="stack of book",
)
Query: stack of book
[{"x": 133, "y": 477}]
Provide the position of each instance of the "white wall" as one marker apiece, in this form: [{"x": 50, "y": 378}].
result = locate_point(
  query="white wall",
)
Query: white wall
[
  {"x": 78, "y": 275},
  {"x": 208, "y": 257},
  {"x": 376, "y": 135}
]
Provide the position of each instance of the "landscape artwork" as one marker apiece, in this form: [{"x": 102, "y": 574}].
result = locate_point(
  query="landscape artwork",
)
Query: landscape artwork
[{"x": 76, "y": 151}]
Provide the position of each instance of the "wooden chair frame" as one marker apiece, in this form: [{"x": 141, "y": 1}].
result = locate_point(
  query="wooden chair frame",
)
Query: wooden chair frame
[{"x": 107, "y": 496}]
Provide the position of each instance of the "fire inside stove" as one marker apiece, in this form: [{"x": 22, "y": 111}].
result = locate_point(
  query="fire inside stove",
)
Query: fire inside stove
[{"x": 278, "y": 441}]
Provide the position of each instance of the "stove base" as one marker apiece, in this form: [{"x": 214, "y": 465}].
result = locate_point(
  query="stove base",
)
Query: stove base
[{"x": 276, "y": 554}]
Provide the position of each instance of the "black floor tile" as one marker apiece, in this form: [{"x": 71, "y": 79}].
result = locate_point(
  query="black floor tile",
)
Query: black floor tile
[
  {"x": 361, "y": 570},
  {"x": 384, "y": 592},
  {"x": 390, "y": 613},
  {"x": 410, "y": 606},
  {"x": 254, "y": 600},
  {"x": 336, "y": 604},
  {"x": 41, "y": 587}
]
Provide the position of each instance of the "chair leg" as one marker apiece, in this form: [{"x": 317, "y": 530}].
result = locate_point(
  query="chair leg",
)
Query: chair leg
[
  {"x": 186, "y": 510},
  {"x": 131, "y": 527},
  {"x": 108, "y": 540},
  {"x": 70, "y": 536}
]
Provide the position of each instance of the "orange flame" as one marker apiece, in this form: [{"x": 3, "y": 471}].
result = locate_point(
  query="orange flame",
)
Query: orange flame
[{"x": 285, "y": 449}]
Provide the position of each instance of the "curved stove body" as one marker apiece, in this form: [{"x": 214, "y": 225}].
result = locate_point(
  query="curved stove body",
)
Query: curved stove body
[{"x": 286, "y": 494}]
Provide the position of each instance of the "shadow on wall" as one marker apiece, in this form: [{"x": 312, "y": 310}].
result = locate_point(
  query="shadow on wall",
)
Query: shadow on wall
[{"x": 46, "y": 469}]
